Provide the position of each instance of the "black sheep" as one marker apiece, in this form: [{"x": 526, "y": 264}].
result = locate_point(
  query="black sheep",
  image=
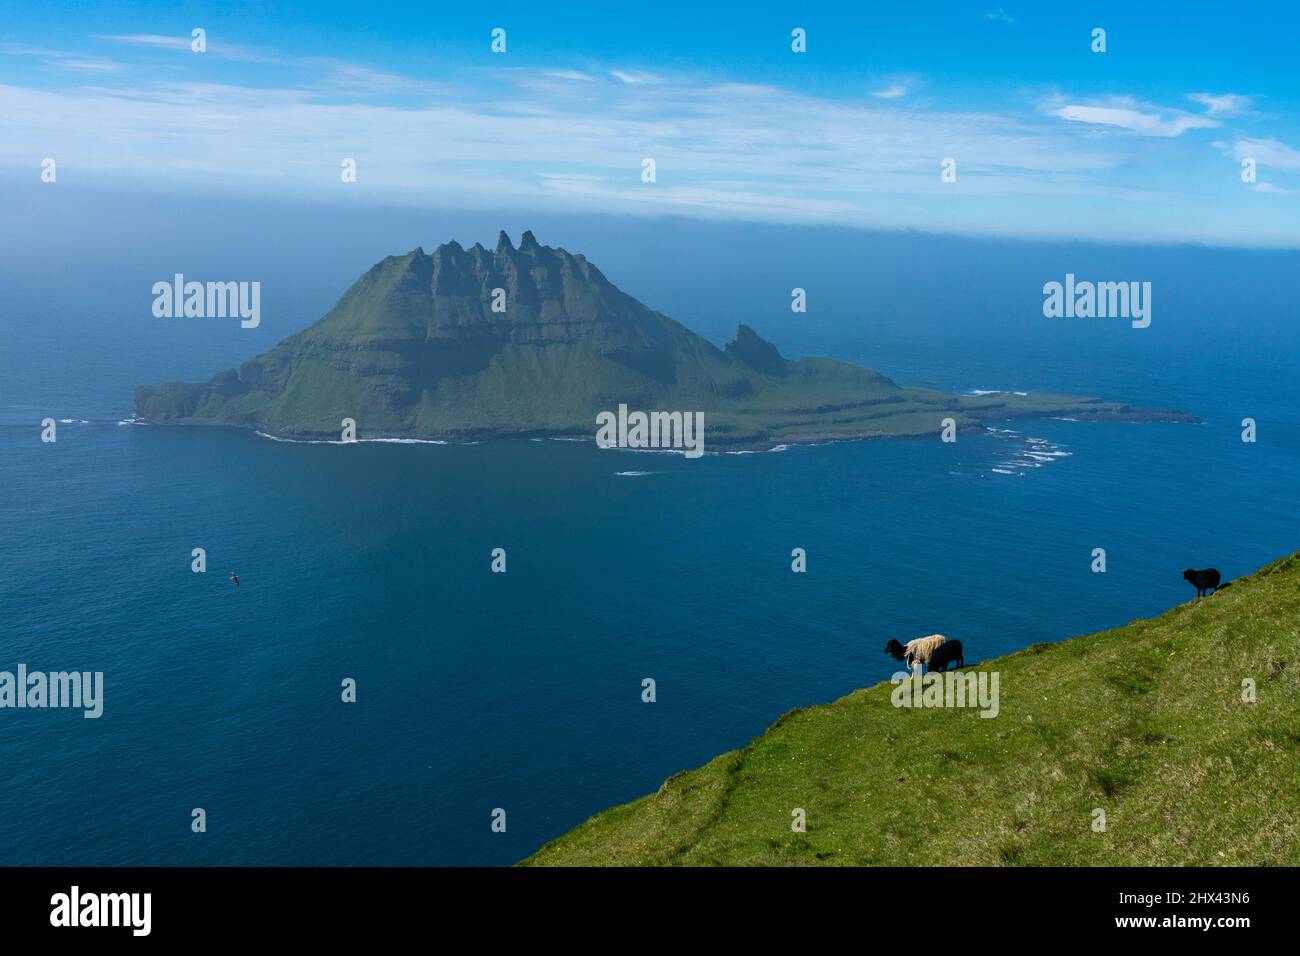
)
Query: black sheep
[
  {"x": 947, "y": 653},
  {"x": 1206, "y": 580}
]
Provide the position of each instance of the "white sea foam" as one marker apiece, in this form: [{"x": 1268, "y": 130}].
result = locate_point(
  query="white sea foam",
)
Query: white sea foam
[
  {"x": 658, "y": 451},
  {"x": 633, "y": 474},
  {"x": 412, "y": 441},
  {"x": 1030, "y": 452},
  {"x": 359, "y": 441}
]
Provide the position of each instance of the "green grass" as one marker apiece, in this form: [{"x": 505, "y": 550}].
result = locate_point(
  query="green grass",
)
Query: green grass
[{"x": 1145, "y": 722}]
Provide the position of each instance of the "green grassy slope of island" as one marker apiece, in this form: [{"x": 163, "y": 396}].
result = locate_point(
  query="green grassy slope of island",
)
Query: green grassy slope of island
[{"x": 1146, "y": 722}]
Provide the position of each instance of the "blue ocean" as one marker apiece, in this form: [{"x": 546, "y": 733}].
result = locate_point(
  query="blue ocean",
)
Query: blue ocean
[{"x": 523, "y": 691}]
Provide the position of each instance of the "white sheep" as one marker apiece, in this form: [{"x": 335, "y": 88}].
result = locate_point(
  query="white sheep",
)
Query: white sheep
[{"x": 918, "y": 651}]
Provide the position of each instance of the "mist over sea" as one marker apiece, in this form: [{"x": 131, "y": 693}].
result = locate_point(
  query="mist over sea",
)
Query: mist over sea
[{"x": 523, "y": 690}]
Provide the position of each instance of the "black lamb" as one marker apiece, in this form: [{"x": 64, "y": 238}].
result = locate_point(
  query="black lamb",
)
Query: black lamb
[{"x": 949, "y": 652}]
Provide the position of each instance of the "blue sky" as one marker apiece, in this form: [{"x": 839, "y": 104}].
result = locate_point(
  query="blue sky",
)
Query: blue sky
[{"x": 1142, "y": 142}]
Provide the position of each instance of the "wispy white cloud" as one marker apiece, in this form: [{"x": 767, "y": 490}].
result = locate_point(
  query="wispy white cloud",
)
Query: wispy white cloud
[
  {"x": 90, "y": 66},
  {"x": 151, "y": 39},
  {"x": 1221, "y": 104},
  {"x": 575, "y": 139},
  {"x": 353, "y": 80},
  {"x": 1128, "y": 114},
  {"x": 999, "y": 16},
  {"x": 1265, "y": 152},
  {"x": 62, "y": 58},
  {"x": 215, "y": 46},
  {"x": 1274, "y": 189},
  {"x": 896, "y": 87},
  {"x": 632, "y": 77},
  {"x": 740, "y": 148},
  {"x": 570, "y": 75}
]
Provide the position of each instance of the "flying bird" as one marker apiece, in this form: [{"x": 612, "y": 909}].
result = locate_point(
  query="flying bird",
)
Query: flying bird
[{"x": 234, "y": 577}]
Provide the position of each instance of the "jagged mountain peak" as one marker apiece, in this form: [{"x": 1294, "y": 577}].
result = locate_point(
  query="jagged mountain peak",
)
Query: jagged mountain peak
[
  {"x": 756, "y": 352},
  {"x": 506, "y": 251}
]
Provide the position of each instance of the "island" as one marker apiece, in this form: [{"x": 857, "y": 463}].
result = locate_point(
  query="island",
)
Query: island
[{"x": 471, "y": 344}]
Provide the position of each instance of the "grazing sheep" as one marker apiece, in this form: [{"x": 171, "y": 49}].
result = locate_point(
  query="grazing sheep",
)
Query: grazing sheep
[
  {"x": 1206, "y": 580},
  {"x": 949, "y": 652},
  {"x": 914, "y": 652}
]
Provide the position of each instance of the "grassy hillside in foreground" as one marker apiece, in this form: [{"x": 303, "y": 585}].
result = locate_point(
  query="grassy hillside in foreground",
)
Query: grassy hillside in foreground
[{"x": 1145, "y": 721}]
